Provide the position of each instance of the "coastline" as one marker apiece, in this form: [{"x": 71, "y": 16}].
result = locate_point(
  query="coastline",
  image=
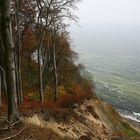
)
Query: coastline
[{"x": 133, "y": 123}]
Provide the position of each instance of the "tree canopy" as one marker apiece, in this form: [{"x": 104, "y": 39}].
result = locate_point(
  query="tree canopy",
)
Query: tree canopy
[{"x": 37, "y": 62}]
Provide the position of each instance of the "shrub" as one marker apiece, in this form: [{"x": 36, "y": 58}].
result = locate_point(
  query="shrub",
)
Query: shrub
[{"x": 49, "y": 93}]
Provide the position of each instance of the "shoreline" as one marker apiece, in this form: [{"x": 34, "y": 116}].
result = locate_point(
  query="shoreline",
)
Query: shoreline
[{"x": 134, "y": 124}]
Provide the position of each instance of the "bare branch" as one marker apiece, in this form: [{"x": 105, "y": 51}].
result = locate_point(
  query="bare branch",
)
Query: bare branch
[{"x": 15, "y": 135}]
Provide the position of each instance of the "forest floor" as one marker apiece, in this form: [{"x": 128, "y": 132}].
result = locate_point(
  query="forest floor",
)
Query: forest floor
[
  {"x": 23, "y": 131},
  {"x": 93, "y": 120}
]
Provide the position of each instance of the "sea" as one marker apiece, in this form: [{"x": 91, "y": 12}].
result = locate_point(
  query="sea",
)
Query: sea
[{"x": 111, "y": 55}]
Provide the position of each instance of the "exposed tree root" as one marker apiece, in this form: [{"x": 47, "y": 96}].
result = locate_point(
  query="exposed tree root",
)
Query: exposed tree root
[
  {"x": 10, "y": 125},
  {"x": 6, "y": 138}
]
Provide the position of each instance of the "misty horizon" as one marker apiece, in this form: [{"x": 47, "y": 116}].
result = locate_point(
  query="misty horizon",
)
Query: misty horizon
[{"x": 108, "y": 44}]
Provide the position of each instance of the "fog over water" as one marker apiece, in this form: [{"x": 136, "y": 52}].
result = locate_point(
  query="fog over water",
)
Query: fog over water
[{"x": 108, "y": 43}]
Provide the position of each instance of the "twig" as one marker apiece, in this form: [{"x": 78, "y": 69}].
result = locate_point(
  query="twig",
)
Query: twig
[
  {"x": 9, "y": 124},
  {"x": 13, "y": 124},
  {"x": 5, "y": 128},
  {"x": 6, "y": 138},
  {"x": 3, "y": 118}
]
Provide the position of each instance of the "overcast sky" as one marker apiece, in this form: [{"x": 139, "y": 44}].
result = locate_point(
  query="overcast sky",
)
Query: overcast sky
[
  {"x": 106, "y": 18},
  {"x": 109, "y": 11}
]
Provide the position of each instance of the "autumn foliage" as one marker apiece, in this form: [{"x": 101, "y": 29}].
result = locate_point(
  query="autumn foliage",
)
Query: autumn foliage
[
  {"x": 72, "y": 87},
  {"x": 38, "y": 65}
]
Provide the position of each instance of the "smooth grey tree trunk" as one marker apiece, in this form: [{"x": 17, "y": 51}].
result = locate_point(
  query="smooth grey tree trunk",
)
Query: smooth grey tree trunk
[
  {"x": 55, "y": 73},
  {"x": 3, "y": 80},
  {"x": 3, "y": 85},
  {"x": 19, "y": 79},
  {"x": 0, "y": 89},
  {"x": 9, "y": 60},
  {"x": 40, "y": 77},
  {"x": 40, "y": 43}
]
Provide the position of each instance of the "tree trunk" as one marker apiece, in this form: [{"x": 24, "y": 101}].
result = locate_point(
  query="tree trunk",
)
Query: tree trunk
[
  {"x": 40, "y": 76},
  {"x": 9, "y": 60},
  {"x": 0, "y": 89},
  {"x": 3, "y": 85},
  {"x": 3, "y": 80},
  {"x": 40, "y": 43},
  {"x": 55, "y": 74},
  {"x": 18, "y": 55},
  {"x": 16, "y": 76},
  {"x": 2, "y": 66}
]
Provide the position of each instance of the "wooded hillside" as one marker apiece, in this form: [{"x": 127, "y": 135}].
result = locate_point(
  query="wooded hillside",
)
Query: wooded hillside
[{"x": 37, "y": 63}]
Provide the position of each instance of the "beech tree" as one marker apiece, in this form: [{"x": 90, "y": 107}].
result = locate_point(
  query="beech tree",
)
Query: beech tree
[
  {"x": 17, "y": 41},
  {"x": 0, "y": 89},
  {"x": 50, "y": 15},
  {"x": 62, "y": 10},
  {"x": 31, "y": 31},
  {"x": 8, "y": 44}
]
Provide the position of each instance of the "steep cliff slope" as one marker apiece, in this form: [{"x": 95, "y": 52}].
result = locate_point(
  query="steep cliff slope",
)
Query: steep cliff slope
[{"x": 93, "y": 119}]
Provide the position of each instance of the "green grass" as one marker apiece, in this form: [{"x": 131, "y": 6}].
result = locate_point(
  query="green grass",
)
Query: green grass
[{"x": 129, "y": 130}]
